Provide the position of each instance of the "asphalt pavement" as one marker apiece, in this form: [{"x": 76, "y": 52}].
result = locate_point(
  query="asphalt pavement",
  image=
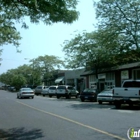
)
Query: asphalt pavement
[{"x": 44, "y": 118}]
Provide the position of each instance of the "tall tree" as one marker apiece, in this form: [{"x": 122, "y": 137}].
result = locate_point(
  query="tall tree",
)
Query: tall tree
[
  {"x": 45, "y": 65},
  {"x": 85, "y": 50},
  {"x": 47, "y": 11},
  {"x": 120, "y": 18},
  {"x": 18, "y": 81},
  {"x": 12, "y": 74}
]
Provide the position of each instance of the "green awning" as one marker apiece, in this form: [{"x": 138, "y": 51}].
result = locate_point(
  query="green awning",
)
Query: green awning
[{"x": 58, "y": 80}]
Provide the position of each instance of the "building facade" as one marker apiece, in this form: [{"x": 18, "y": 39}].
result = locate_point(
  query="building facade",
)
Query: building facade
[
  {"x": 111, "y": 77},
  {"x": 73, "y": 78}
]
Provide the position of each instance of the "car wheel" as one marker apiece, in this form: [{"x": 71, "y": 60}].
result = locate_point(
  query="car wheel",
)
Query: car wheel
[
  {"x": 43, "y": 95},
  {"x": 110, "y": 103},
  {"x": 82, "y": 100},
  {"x": 130, "y": 104},
  {"x": 76, "y": 96},
  {"x": 69, "y": 96},
  {"x": 117, "y": 105},
  {"x": 100, "y": 102},
  {"x": 17, "y": 97},
  {"x": 95, "y": 100},
  {"x": 33, "y": 97},
  {"x": 50, "y": 96},
  {"x": 58, "y": 97}
]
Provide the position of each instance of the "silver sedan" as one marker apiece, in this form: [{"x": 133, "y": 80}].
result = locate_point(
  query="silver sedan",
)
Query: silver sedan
[
  {"x": 105, "y": 96},
  {"x": 45, "y": 91},
  {"x": 25, "y": 93}
]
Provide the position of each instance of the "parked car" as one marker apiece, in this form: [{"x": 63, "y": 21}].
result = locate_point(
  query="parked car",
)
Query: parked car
[
  {"x": 88, "y": 94},
  {"x": 2, "y": 88},
  {"x": 12, "y": 89},
  {"x": 25, "y": 93},
  {"x": 128, "y": 93},
  {"x": 105, "y": 96},
  {"x": 45, "y": 91},
  {"x": 66, "y": 91},
  {"x": 52, "y": 91},
  {"x": 39, "y": 89}
]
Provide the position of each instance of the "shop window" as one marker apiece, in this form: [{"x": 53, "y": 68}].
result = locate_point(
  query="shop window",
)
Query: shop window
[
  {"x": 92, "y": 78},
  {"x": 124, "y": 74},
  {"x": 110, "y": 76},
  {"x": 109, "y": 85},
  {"x": 136, "y": 74}
]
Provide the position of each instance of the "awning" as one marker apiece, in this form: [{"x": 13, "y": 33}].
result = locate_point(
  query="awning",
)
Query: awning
[
  {"x": 85, "y": 73},
  {"x": 58, "y": 80}
]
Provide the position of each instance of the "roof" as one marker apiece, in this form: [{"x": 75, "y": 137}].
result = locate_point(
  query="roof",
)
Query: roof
[
  {"x": 131, "y": 65},
  {"x": 121, "y": 67},
  {"x": 87, "y": 73}
]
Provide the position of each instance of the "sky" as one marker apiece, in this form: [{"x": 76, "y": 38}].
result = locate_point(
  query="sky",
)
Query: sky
[{"x": 41, "y": 39}]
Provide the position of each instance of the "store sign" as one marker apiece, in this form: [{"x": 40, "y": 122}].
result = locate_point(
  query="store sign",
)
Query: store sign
[{"x": 101, "y": 76}]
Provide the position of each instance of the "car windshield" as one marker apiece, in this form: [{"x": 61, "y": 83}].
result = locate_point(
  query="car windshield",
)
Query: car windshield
[
  {"x": 39, "y": 87},
  {"x": 107, "y": 90},
  {"x": 89, "y": 90},
  {"x": 26, "y": 89},
  {"x": 61, "y": 87},
  {"x": 132, "y": 84},
  {"x": 52, "y": 88}
]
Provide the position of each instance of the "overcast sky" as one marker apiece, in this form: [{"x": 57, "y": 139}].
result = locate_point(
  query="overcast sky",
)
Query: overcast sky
[{"x": 40, "y": 39}]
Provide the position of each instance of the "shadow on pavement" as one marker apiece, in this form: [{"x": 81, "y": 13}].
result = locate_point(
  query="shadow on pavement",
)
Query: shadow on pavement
[
  {"x": 127, "y": 107},
  {"x": 20, "y": 134},
  {"x": 91, "y": 105},
  {"x": 95, "y": 105}
]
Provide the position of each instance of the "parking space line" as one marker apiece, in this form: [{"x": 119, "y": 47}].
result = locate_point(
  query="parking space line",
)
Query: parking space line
[{"x": 75, "y": 122}]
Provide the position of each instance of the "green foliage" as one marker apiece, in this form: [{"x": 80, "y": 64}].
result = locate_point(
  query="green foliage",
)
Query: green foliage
[
  {"x": 45, "y": 66},
  {"x": 50, "y": 11},
  {"x": 121, "y": 20},
  {"x": 116, "y": 40},
  {"x": 40, "y": 68},
  {"x": 85, "y": 48},
  {"x": 18, "y": 81}
]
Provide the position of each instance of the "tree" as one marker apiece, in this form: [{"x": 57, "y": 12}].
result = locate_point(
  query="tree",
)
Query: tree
[
  {"x": 45, "y": 65},
  {"x": 92, "y": 51},
  {"x": 6, "y": 78},
  {"x": 120, "y": 18},
  {"x": 41, "y": 68},
  {"x": 18, "y": 81},
  {"x": 47, "y": 11},
  {"x": 85, "y": 50},
  {"x": 22, "y": 71}
]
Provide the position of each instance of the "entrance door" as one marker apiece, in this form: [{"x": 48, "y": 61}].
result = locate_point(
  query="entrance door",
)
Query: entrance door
[{"x": 101, "y": 86}]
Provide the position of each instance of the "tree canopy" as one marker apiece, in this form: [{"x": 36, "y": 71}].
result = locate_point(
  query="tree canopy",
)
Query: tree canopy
[
  {"x": 47, "y": 11},
  {"x": 120, "y": 18},
  {"x": 116, "y": 40},
  {"x": 45, "y": 65},
  {"x": 86, "y": 50},
  {"x": 40, "y": 68}
]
